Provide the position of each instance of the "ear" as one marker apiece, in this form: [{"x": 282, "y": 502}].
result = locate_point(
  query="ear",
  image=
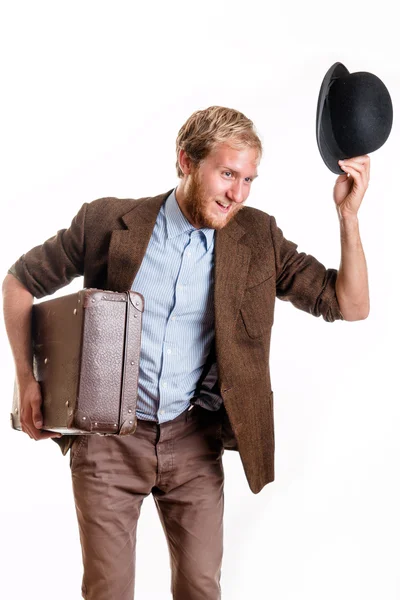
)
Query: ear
[{"x": 185, "y": 163}]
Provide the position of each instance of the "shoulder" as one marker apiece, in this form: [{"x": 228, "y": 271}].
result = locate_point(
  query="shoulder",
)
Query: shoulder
[
  {"x": 108, "y": 211},
  {"x": 256, "y": 222},
  {"x": 249, "y": 215},
  {"x": 113, "y": 206}
]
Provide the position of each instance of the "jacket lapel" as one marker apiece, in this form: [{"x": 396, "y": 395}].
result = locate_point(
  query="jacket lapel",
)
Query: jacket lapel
[
  {"x": 128, "y": 246},
  {"x": 232, "y": 260}
]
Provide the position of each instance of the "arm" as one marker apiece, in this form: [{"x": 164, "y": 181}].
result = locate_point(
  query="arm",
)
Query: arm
[
  {"x": 302, "y": 280},
  {"x": 305, "y": 282},
  {"x": 352, "y": 280},
  {"x": 52, "y": 265},
  {"x": 17, "y": 308},
  {"x": 40, "y": 272}
]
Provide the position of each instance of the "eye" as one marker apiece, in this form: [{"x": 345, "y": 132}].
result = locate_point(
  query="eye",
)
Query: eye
[
  {"x": 227, "y": 173},
  {"x": 249, "y": 179}
]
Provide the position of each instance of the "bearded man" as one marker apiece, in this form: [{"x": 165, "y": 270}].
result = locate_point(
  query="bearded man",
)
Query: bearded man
[{"x": 209, "y": 269}]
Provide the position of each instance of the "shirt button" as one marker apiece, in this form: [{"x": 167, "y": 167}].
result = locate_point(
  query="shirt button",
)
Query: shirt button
[
  {"x": 164, "y": 384},
  {"x": 162, "y": 412},
  {"x": 169, "y": 351},
  {"x": 173, "y": 318}
]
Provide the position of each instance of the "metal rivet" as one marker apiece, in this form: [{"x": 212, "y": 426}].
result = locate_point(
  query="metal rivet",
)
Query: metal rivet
[
  {"x": 16, "y": 411},
  {"x": 67, "y": 403},
  {"x": 75, "y": 311},
  {"x": 96, "y": 424},
  {"x": 84, "y": 418},
  {"x": 115, "y": 425},
  {"x": 132, "y": 362},
  {"x": 93, "y": 300},
  {"x": 46, "y": 360},
  {"x": 79, "y": 300},
  {"x": 137, "y": 303},
  {"x": 135, "y": 316},
  {"x": 130, "y": 422},
  {"x": 129, "y": 410}
]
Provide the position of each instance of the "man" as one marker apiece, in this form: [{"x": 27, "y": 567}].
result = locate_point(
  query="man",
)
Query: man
[{"x": 209, "y": 270}]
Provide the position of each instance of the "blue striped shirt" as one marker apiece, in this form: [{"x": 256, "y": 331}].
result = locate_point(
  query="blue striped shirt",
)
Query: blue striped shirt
[{"x": 176, "y": 278}]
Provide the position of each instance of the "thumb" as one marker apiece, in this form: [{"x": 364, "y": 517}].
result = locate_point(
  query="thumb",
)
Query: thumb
[{"x": 37, "y": 417}]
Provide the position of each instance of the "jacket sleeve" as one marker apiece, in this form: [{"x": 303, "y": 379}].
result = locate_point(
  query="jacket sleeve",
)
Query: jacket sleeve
[
  {"x": 46, "y": 268},
  {"x": 302, "y": 280}
]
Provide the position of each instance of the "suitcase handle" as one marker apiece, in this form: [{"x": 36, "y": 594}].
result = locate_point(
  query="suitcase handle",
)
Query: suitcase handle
[{"x": 130, "y": 371}]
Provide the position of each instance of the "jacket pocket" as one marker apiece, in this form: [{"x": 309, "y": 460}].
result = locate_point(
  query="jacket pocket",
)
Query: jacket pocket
[{"x": 257, "y": 309}]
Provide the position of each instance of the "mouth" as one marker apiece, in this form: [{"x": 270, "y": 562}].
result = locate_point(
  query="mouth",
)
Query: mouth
[{"x": 223, "y": 208}]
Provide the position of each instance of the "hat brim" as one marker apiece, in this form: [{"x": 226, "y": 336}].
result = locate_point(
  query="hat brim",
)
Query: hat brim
[{"x": 327, "y": 146}]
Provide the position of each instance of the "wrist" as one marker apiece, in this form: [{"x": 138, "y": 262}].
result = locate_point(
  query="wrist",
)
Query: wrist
[
  {"x": 24, "y": 376},
  {"x": 347, "y": 219},
  {"x": 349, "y": 232}
]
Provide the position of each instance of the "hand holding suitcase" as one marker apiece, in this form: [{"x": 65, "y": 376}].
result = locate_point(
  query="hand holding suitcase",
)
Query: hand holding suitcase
[{"x": 86, "y": 349}]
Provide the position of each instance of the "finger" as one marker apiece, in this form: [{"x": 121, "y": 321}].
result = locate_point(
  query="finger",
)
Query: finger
[
  {"x": 37, "y": 417},
  {"x": 36, "y": 434},
  {"x": 354, "y": 164},
  {"x": 45, "y": 435},
  {"x": 363, "y": 160},
  {"x": 353, "y": 176},
  {"x": 367, "y": 163},
  {"x": 27, "y": 425},
  {"x": 357, "y": 173},
  {"x": 25, "y": 430},
  {"x": 29, "y": 428},
  {"x": 360, "y": 166}
]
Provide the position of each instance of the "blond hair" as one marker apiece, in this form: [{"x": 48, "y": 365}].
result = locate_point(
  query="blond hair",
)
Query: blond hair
[{"x": 215, "y": 125}]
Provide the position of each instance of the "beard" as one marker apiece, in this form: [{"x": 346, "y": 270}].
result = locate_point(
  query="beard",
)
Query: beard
[{"x": 199, "y": 206}]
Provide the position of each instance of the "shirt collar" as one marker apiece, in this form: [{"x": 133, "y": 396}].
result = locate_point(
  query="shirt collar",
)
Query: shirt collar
[{"x": 177, "y": 223}]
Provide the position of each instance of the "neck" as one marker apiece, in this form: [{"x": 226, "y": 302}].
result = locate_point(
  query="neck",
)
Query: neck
[{"x": 180, "y": 198}]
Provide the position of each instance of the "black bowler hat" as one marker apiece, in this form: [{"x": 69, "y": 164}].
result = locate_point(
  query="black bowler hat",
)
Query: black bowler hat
[{"x": 354, "y": 115}]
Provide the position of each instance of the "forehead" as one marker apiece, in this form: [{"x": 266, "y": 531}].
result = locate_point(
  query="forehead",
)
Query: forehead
[{"x": 237, "y": 159}]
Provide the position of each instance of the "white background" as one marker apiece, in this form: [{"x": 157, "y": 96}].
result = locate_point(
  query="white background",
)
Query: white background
[{"x": 93, "y": 95}]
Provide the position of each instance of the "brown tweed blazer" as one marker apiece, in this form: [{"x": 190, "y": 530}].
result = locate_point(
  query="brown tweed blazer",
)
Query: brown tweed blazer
[{"x": 254, "y": 263}]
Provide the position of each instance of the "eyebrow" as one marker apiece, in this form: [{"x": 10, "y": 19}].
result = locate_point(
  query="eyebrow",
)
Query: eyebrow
[{"x": 235, "y": 172}]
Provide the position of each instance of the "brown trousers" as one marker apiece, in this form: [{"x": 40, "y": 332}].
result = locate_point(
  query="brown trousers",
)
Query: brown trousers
[{"x": 180, "y": 463}]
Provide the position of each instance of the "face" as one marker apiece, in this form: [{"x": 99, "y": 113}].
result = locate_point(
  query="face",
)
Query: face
[{"x": 214, "y": 192}]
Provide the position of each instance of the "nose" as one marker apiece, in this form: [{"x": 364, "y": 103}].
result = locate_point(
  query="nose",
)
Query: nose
[{"x": 236, "y": 192}]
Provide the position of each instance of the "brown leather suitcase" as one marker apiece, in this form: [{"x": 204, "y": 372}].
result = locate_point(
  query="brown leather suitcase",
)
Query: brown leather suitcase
[{"x": 86, "y": 349}]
